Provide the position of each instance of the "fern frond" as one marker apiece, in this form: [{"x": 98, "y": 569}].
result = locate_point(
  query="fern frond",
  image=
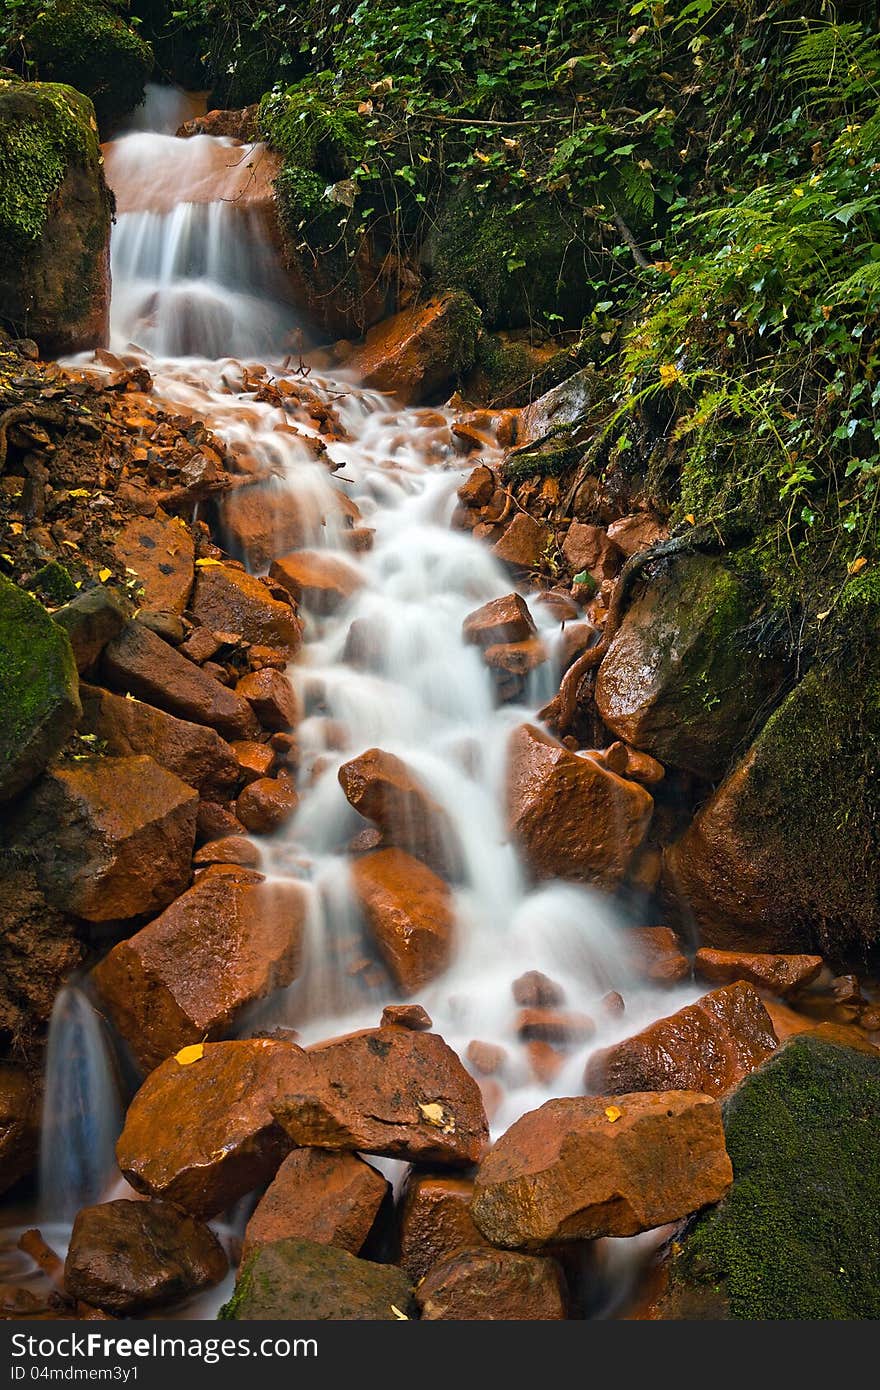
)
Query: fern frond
[{"x": 838, "y": 64}]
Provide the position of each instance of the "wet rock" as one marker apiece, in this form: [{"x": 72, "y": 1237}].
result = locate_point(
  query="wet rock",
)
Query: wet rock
[
  {"x": 171, "y": 627},
  {"x": 214, "y": 821},
  {"x": 229, "y": 849},
  {"x": 657, "y": 955},
  {"x": 420, "y": 352},
  {"x": 511, "y": 663},
  {"x": 683, "y": 679},
  {"x": 187, "y": 976},
  {"x": 590, "y": 548},
  {"x": 39, "y": 704},
  {"x": 56, "y": 281},
  {"x": 161, "y": 553},
  {"x": 200, "y": 1132},
  {"x": 200, "y": 646},
  {"x": 331, "y": 1198},
  {"x": 320, "y": 582},
  {"x": 112, "y": 837},
  {"x": 493, "y": 1286},
  {"x": 708, "y": 1046},
  {"x": 229, "y": 600},
  {"x": 411, "y": 1016},
  {"x": 193, "y": 752},
  {"x": 572, "y": 818},
  {"x": 629, "y": 762},
  {"x": 485, "y": 1058},
  {"x": 478, "y": 488},
  {"x": 409, "y": 912},
  {"x": 524, "y": 542},
  {"x": 788, "y": 1023},
  {"x": 597, "y": 1166},
  {"x": 299, "y": 1279},
  {"x": 128, "y": 1257},
  {"x": 634, "y": 533},
  {"x": 38, "y": 950},
  {"x": 91, "y": 620},
  {"x": 557, "y": 1026},
  {"x": 796, "y": 1236},
  {"x": 254, "y": 759},
  {"x": 534, "y": 990},
  {"x": 434, "y": 1220},
  {"x": 139, "y": 663},
  {"x": 266, "y": 804},
  {"x": 240, "y": 124},
  {"x": 19, "y": 1125},
  {"x": 383, "y": 789},
  {"x": 501, "y": 620},
  {"x": 263, "y": 522},
  {"x": 387, "y": 1091},
  {"x": 780, "y": 974},
  {"x": 271, "y": 697}
]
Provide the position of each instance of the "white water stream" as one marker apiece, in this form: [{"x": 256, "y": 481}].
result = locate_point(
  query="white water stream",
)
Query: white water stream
[{"x": 199, "y": 278}]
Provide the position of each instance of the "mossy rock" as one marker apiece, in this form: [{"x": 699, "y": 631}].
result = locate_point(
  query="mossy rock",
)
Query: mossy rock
[
  {"x": 299, "y": 1280},
  {"x": 55, "y": 212},
  {"x": 89, "y": 46},
  {"x": 511, "y": 373},
  {"x": 520, "y": 262},
  {"x": 797, "y": 1236},
  {"x": 39, "y": 692},
  {"x": 687, "y": 675}
]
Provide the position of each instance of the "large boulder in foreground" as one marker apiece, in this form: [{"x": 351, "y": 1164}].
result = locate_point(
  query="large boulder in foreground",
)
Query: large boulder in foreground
[
  {"x": 54, "y": 219},
  {"x": 199, "y": 1132},
  {"x": 592, "y": 1166},
  {"x": 128, "y": 1257},
  {"x": 493, "y": 1286},
  {"x": 331, "y": 1198},
  {"x": 797, "y": 1236},
  {"x": 187, "y": 976},
  {"x": 410, "y": 914},
  {"x": 785, "y": 856},
  {"x": 39, "y": 703},
  {"x": 708, "y": 1046},
  {"x": 684, "y": 678},
  {"x": 386, "y": 1091},
  {"x": 299, "y": 1280},
  {"x": 420, "y": 353},
  {"x": 571, "y": 817},
  {"x": 112, "y": 837}
]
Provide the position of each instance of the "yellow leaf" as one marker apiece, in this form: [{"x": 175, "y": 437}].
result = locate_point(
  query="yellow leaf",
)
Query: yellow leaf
[
  {"x": 820, "y": 617},
  {"x": 435, "y": 1115},
  {"x": 104, "y": 575},
  {"x": 79, "y": 492},
  {"x": 208, "y": 562},
  {"x": 397, "y": 1313},
  {"x": 194, "y": 1053},
  {"x": 669, "y": 374},
  {"x": 691, "y": 519},
  {"x": 612, "y": 1113},
  {"x": 857, "y": 565},
  {"x": 483, "y": 158},
  {"x": 16, "y": 528}
]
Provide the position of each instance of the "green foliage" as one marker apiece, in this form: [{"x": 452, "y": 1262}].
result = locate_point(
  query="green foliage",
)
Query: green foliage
[{"x": 42, "y": 129}]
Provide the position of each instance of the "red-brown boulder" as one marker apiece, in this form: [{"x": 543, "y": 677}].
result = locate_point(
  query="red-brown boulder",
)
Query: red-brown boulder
[
  {"x": 434, "y": 1219},
  {"x": 384, "y": 790},
  {"x": 406, "y": 1016},
  {"x": 708, "y": 1046},
  {"x": 271, "y": 697},
  {"x": 590, "y": 548},
  {"x": 161, "y": 553},
  {"x": 503, "y": 620},
  {"x": 416, "y": 353},
  {"x": 264, "y": 805},
  {"x": 572, "y": 818},
  {"x": 523, "y": 543},
  {"x": 187, "y": 976},
  {"x": 320, "y": 582},
  {"x": 657, "y": 955},
  {"x": 331, "y": 1198},
  {"x": 595, "y": 1166},
  {"x": 229, "y": 600},
  {"x": 410, "y": 914},
  {"x": 493, "y": 1286},
  {"x": 636, "y": 532},
  {"x": 780, "y": 974}
]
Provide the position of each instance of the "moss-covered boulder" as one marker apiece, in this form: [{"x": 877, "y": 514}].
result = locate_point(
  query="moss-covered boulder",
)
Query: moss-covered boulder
[
  {"x": 39, "y": 699},
  {"x": 298, "y": 1280},
  {"x": 786, "y": 853},
  {"x": 55, "y": 213},
  {"x": 90, "y": 46},
  {"x": 687, "y": 674},
  {"x": 797, "y": 1236}
]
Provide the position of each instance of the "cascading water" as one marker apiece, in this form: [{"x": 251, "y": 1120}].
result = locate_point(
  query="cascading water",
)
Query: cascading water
[{"x": 196, "y": 287}]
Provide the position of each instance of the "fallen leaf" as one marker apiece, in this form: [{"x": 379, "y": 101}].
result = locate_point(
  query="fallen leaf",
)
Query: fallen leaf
[
  {"x": 104, "y": 575},
  {"x": 857, "y": 565},
  {"x": 397, "y": 1313},
  {"x": 205, "y": 562},
  {"x": 435, "y": 1115},
  {"x": 194, "y": 1053},
  {"x": 612, "y": 1113}
]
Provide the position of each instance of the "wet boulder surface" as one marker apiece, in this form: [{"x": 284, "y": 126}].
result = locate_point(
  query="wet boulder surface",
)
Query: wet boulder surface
[{"x": 300, "y": 1279}]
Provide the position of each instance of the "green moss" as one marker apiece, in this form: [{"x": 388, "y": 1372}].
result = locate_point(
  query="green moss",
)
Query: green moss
[
  {"x": 797, "y": 1237},
  {"x": 43, "y": 128},
  {"x": 89, "y": 46},
  {"x": 53, "y": 582},
  {"x": 39, "y": 703},
  {"x": 553, "y": 460},
  {"x": 313, "y": 132}
]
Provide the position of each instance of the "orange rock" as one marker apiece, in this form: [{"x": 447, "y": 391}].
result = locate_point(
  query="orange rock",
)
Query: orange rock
[
  {"x": 264, "y": 521},
  {"x": 384, "y": 790},
  {"x": 502, "y": 620},
  {"x": 112, "y": 837},
  {"x": 387, "y": 1091},
  {"x": 493, "y": 1286},
  {"x": 572, "y": 818},
  {"x": 228, "y": 600},
  {"x": 596, "y": 1166},
  {"x": 486, "y": 1058},
  {"x": 658, "y": 955},
  {"x": 590, "y": 548},
  {"x": 523, "y": 543},
  {"x": 406, "y": 1016},
  {"x": 414, "y": 353},
  {"x": 545, "y": 1061},
  {"x": 434, "y": 1219},
  {"x": 636, "y": 532},
  {"x": 554, "y": 1026},
  {"x": 575, "y": 639},
  {"x": 534, "y": 990},
  {"x": 140, "y": 663},
  {"x": 229, "y": 849},
  {"x": 19, "y": 1124},
  {"x": 187, "y": 976},
  {"x": 787, "y": 1023},
  {"x": 254, "y": 759},
  {"x": 410, "y": 914},
  {"x": 321, "y": 582},
  {"x": 200, "y": 1133},
  {"x": 264, "y": 805},
  {"x": 478, "y": 487},
  {"x": 331, "y": 1198},
  {"x": 708, "y": 1046},
  {"x": 780, "y": 974},
  {"x": 629, "y": 762},
  {"x": 161, "y": 553},
  {"x": 271, "y": 697}
]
